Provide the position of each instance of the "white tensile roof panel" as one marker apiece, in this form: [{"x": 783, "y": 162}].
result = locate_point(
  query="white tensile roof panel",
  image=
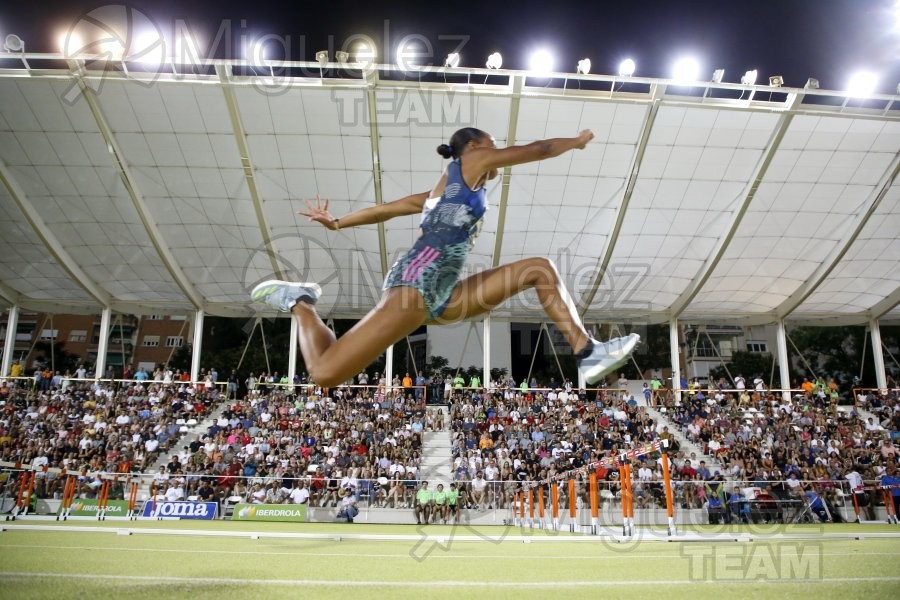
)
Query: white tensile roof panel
[
  {"x": 25, "y": 264},
  {"x": 694, "y": 174},
  {"x": 825, "y": 173},
  {"x": 564, "y": 207},
  {"x": 303, "y": 143},
  {"x": 180, "y": 146},
  {"x": 61, "y": 163},
  {"x": 869, "y": 271}
]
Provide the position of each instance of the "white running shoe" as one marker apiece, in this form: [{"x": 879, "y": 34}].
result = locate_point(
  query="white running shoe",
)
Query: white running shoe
[
  {"x": 606, "y": 357},
  {"x": 284, "y": 295}
]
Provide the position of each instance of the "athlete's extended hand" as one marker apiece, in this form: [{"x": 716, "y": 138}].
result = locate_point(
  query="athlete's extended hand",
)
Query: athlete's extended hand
[
  {"x": 318, "y": 212},
  {"x": 583, "y": 138}
]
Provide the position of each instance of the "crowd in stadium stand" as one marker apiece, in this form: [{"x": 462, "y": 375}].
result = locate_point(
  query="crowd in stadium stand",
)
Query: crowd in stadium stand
[
  {"x": 289, "y": 442},
  {"x": 87, "y": 426},
  {"x": 273, "y": 441},
  {"x": 789, "y": 447}
]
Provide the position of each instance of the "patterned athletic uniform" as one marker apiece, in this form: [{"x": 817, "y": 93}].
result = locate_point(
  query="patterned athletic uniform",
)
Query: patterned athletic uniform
[{"x": 449, "y": 227}]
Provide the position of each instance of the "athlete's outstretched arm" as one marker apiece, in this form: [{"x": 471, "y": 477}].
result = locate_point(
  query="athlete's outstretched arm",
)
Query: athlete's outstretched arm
[
  {"x": 408, "y": 205},
  {"x": 486, "y": 158}
]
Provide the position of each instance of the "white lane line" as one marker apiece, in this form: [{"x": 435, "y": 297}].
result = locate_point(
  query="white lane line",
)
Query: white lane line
[
  {"x": 624, "y": 556},
  {"x": 429, "y": 584}
]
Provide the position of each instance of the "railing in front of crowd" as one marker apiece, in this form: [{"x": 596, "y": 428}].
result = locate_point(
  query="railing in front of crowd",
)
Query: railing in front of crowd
[
  {"x": 878, "y": 395},
  {"x": 612, "y": 488},
  {"x": 63, "y": 382}
]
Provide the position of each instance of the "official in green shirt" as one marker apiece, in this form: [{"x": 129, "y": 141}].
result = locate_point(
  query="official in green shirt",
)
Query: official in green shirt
[
  {"x": 424, "y": 499},
  {"x": 453, "y": 502},
  {"x": 440, "y": 504}
]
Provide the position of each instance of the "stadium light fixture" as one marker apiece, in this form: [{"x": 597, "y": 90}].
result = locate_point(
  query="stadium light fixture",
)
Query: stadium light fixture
[
  {"x": 112, "y": 48},
  {"x": 494, "y": 61},
  {"x": 13, "y": 43},
  {"x": 187, "y": 50},
  {"x": 811, "y": 84},
  {"x": 541, "y": 61},
  {"x": 148, "y": 49},
  {"x": 256, "y": 53},
  {"x": 862, "y": 84},
  {"x": 364, "y": 53},
  {"x": 686, "y": 70},
  {"x": 584, "y": 66},
  {"x": 626, "y": 68},
  {"x": 341, "y": 56},
  {"x": 717, "y": 75},
  {"x": 776, "y": 81},
  {"x": 70, "y": 44},
  {"x": 749, "y": 78},
  {"x": 452, "y": 60},
  {"x": 322, "y": 57}
]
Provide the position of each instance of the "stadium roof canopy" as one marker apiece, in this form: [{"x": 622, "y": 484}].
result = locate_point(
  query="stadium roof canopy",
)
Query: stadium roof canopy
[{"x": 151, "y": 192}]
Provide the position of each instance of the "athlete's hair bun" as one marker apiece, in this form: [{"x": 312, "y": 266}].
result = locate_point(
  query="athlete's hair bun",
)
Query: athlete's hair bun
[{"x": 446, "y": 151}]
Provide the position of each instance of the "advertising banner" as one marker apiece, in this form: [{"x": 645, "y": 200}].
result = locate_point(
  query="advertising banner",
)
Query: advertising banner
[
  {"x": 181, "y": 510},
  {"x": 87, "y": 507},
  {"x": 270, "y": 512}
]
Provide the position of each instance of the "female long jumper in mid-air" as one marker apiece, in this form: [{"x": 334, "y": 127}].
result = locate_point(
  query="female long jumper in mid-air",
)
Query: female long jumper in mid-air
[{"x": 424, "y": 286}]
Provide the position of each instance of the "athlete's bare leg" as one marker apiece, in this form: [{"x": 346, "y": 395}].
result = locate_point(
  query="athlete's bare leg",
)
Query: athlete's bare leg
[
  {"x": 332, "y": 361},
  {"x": 482, "y": 292}
]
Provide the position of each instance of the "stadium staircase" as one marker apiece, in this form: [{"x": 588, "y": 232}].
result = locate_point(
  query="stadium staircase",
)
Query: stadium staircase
[
  {"x": 436, "y": 458},
  {"x": 635, "y": 388}
]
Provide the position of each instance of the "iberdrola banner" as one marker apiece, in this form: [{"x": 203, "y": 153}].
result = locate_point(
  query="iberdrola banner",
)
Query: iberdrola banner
[
  {"x": 87, "y": 507},
  {"x": 269, "y": 512}
]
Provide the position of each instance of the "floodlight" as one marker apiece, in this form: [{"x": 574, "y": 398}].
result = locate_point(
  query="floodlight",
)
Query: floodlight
[
  {"x": 541, "y": 62},
  {"x": 364, "y": 53},
  {"x": 452, "y": 60},
  {"x": 626, "y": 68},
  {"x": 256, "y": 53},
  {"x": 322, "y": 57},
  {"x": 14, "y": 43},
  {"x": 584, "y": 66},
  {"x": 718, "y": 74},
  {"x": 749, "y": 78},
  {"x": 898, "y": 89},
  {"x": 776, "y": 81},
  {"x": 811, "y": 84},
  {"x": 686, "y": 70},
  {"x": 112, "y": 47},
  {"x": 70, "y": 44},
  {"x": 494, "y": 61},
  {"x": 342, "y": 56},
  {"x": 862, "y": 84},
  {"x": 148, "y": 48}
]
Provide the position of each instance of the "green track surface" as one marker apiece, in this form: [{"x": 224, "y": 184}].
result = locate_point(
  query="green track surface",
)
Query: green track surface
[{"x": 499, "y": 564}]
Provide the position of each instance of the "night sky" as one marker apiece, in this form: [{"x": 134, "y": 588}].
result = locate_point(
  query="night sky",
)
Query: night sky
[{"x": 825, "y": 39}]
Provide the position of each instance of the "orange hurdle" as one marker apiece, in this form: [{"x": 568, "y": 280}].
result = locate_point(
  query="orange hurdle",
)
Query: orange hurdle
[
  {"x": 595, "y": 507},
  {"x": 132, "y": 499},
  {"x": 68, "y": 495},
  {"x": 30, "y": 492},
  {"x": 667, "y": 482},
  {"x": 554, "y": 505},
  {"x": 572, "y": 507},
  {"x": 21, "y": 493},
  {"x": 100, "y": 500},
  {"x": 540, "y": 491},
  {"x": 531, "y": 507},
  {"x": 627, "y": 499}
]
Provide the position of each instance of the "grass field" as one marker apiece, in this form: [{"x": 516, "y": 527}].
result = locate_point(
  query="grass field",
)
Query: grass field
[{"x": 434, "y": 562}]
